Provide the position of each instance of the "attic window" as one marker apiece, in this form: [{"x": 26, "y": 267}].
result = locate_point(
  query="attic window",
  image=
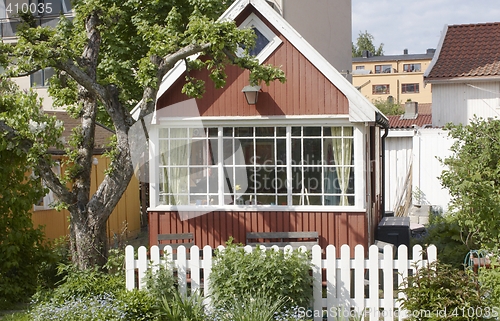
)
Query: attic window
[{"x": 266, "y": 41}]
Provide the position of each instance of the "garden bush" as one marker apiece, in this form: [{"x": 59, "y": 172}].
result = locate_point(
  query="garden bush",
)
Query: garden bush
[
  {"x": 445, "y": 233},
  {"x": 441, "y": 292},
  {"x": 238, "y": 275}
]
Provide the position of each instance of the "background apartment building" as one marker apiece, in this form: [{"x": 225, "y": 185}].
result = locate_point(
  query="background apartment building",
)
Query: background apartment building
[
  {"x": 46, "y": 13},
  {"x": 397, "y": 77}
]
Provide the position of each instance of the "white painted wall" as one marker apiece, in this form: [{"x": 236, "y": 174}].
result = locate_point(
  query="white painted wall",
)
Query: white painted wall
[
  {"x": 459, "y": 102},
  {"x": 421, "y": 147}
]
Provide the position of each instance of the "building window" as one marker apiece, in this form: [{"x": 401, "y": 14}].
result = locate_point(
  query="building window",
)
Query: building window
[
  {"x": 41, "y": 77},
  {"x": 411, "y": 67},
  {"x": 47, "y": 202},
  {"x": 288, "y": 166},
  {"x": 266, "y": 41},
  {"x": 410, "y": 88},
  {"x": 383, "y": 69},
  {"x": 360, "y": 67},
  {"x": 380, "y": 89}
]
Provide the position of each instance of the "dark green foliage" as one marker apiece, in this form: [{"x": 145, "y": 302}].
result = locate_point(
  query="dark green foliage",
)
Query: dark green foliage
[
  {"x": 445, "y": 233},
  {"x": 441, "y": 292},
  {"x": 238, "y": 275},
  {"x": 365, "y": 42},
  {"x": 473, "y": 179},
  {"x": 21, "y": 247}
]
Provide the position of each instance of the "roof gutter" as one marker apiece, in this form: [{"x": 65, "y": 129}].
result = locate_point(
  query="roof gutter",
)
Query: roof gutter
[{"x": 383, "y": 122}]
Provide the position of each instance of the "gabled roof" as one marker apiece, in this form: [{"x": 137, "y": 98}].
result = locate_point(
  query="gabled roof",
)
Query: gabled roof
[
  {"x": 360, "y": 109},
  {"x": 471, "y": 50}
]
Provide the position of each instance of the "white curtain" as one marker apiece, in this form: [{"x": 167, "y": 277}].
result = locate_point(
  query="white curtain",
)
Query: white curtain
[
  {"x": 342, "y": 154},
  {"x": 178, "y": 155}
]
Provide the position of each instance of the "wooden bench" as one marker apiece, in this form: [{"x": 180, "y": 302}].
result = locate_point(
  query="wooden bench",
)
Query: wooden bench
[
  {"x": 173, "y": 240},
  {"x": 282, "y": 239}
]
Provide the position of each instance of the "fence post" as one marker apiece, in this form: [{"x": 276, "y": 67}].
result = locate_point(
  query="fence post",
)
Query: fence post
[
  {"x": 387, "y": 265},
  {"x": 194, "y": 264},
  {"x": 317, "y": 278},
  {"x": 373, "y": 283},
  {"x": 207, "y": 269},
  {"x": 359, "y": 278},
  {"x": 129, "y": 267},
  {"x": 402, "y": 275},
  {"x": 142, "y": 265},
  {"x": 331, "y": 278}
]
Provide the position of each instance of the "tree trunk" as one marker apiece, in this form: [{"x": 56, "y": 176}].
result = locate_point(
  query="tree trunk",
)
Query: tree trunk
[{"x": 89, "y": 241}]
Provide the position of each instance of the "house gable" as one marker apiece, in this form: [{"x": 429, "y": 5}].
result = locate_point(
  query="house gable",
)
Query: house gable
[{"x": 313, "y": 86}]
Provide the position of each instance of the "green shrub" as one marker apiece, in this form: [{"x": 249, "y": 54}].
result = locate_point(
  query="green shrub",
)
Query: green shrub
[
  {"x": 241, "y": 276},
  {"x": 489, "y": 278},
  {"x": 162, "y": 283},
  {"x": 445, "y": 233},
  {"x": 441, "y": 292}
]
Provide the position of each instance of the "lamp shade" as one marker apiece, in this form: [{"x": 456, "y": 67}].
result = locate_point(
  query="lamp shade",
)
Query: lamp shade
[{"x": 251, "y": 94}]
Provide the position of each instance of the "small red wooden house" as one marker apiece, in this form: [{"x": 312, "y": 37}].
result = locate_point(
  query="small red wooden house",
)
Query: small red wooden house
[{"x": 311, "y": 149}]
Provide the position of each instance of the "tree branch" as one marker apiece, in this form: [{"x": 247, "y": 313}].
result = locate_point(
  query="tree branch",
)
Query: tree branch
[{"x": 44, "y": 165}]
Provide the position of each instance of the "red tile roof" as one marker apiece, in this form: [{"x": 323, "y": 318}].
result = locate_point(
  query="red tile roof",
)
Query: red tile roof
[
  {"x": 471, "y": 50},
  {"x": 399, "y": 122}
]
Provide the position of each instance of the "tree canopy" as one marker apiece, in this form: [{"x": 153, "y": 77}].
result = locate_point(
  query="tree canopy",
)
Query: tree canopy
[
  {"x": 473, "y": 180},
  {"x": 21, "y": 247},
  {"x": 365, "y": 42},
  {"x": 109, "y": 58}
]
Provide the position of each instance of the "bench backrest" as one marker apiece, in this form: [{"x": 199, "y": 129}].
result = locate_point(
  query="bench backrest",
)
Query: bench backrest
[
  {"x": 282, "y": 239},
  {"x": 173, "y": 240}
]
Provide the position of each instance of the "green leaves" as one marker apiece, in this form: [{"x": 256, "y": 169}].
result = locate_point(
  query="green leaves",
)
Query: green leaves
[
  {"x": 473, "y": 179},
  {"x": 238, "y": 275}
]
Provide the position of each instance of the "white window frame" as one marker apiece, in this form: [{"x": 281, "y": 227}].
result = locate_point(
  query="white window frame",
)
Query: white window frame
[
  {"x": 49, "y": 198},
  {"x": 252, "y": 21},
  {"x": 359, "y": 133}
]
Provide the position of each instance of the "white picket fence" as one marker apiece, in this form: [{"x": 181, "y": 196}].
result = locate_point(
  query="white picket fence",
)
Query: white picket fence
[{"x": 355, "y": 286}]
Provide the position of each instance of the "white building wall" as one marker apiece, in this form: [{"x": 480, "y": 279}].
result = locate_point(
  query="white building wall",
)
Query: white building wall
[
  {"x": 420, "y": 150},
  {"x": 459, "y": 102},
  {"x": 398, "y": 159}
]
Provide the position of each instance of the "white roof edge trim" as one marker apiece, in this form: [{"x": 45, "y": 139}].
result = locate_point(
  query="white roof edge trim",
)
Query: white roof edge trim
[{"x": 436, "y": 54}]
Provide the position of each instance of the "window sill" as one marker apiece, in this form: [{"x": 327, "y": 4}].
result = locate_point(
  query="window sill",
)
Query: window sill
[{"x": 256, "y": 208}]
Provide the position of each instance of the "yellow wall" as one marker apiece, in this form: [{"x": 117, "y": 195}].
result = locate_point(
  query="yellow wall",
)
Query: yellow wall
[
  {"x": 124, "y": 222},
  {"x": 394, "y": 80}
]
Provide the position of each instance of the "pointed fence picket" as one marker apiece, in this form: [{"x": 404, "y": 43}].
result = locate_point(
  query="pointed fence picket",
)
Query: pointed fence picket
[{"x": 353, "y": 286}]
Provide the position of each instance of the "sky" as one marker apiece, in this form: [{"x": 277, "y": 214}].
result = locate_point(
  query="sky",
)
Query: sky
[{"x": 416, "y": 25}]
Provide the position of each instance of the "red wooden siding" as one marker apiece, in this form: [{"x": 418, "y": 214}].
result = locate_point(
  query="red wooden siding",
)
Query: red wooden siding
[
  {"x": 306, "y": 91},
  {"x": 215, "y": 228}
]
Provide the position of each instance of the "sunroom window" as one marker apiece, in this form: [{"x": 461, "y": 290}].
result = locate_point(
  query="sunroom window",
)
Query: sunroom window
[{"x": 282, "y": 166}]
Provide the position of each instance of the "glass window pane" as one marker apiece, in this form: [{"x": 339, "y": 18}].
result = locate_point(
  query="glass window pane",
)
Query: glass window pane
[
  {"x": 178, "y": 152},
  {"x": 312, "y": 131},
  {"x": 243, "y": 132},
  {"x": 260, "y": 42},
  {"x": 296, "y": 131},
  {"x": 312, "y": 151},
  {"x": 264, "y": 151},
  {"x": 264, "y": 131},
  {"x": 313, "y": 182},
  {"x": 280, "y": 131},
  {"x": 281, "y": 152}
]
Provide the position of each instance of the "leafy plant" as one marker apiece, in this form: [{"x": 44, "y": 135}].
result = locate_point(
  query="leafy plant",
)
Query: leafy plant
[
  {"x": 473, "y": 179},
  {"x": 489, "y": 278},
  {"x": 161, "y": 283},
  {"x": 258, "y": 308},
  {"x": 21, "y": 244},
  {"x": 447, "y": 235},
  {"x": 238, "y": 275},
  {"x": 441, "y": 292},
  {"x": 182, "y": 308}
]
